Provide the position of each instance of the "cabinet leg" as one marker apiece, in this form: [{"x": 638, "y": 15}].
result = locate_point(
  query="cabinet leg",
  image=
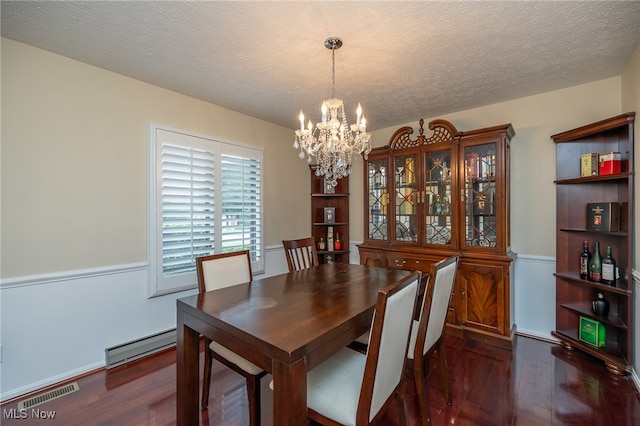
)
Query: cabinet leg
[
  {"x": 615, "y": 370},
  {"x": 567, "y": 346}
]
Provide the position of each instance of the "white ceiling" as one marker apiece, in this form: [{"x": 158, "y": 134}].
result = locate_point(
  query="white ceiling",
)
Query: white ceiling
[{"x": 401, "y": 59}]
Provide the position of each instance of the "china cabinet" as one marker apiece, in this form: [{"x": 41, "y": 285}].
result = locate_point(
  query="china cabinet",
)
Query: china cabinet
[
  {"x": 431, "y": 197},
  {"x": 574, "y": 190},
  {"x": 330, "y": 218}
]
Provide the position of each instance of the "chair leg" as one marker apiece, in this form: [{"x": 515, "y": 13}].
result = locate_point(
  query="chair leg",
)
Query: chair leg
[
  {"x": 253, "y": 393},
  {"x": 420, "y": 380},
  {"x": 401, "y": 403},
  {"x": 206, "y": 380},
  {"x": 444, "y": 371}
]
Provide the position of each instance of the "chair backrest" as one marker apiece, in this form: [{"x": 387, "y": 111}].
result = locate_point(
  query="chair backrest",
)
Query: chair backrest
[
  {"x": 301, "y": 254},
  {"x": 435, "y": 305},
  {"x": 223, "y": 270},
  {"x": 388, "y": 344}
]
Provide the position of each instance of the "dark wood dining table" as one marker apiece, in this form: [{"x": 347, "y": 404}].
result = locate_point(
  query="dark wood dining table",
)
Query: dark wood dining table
[{"x": 286, "y": 324}]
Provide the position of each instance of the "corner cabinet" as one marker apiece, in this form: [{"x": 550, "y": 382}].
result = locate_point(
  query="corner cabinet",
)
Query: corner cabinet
[
  {"x": 431, "y": 197},
  {"x": 574, "y": 295},
  {"x": 330, "y": 218}
]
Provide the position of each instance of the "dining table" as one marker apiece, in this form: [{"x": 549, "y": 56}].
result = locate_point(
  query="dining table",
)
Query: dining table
[{"x": 286, "y": 324}]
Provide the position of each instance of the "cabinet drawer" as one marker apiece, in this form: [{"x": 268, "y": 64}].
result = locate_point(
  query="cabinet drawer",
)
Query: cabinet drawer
[{"x": 408, "y": 263}]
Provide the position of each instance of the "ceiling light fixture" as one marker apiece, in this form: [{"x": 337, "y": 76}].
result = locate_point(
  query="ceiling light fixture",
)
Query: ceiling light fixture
[{"x": 333, "y": 143}]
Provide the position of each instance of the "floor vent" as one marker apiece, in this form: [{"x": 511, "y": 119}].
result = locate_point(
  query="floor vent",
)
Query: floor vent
[
  {"x": 48, "y": 396},
  {"x": 137, "y": 349}
]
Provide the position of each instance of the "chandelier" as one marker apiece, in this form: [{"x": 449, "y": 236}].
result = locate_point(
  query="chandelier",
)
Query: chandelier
[{"x": 333, "y": 143}]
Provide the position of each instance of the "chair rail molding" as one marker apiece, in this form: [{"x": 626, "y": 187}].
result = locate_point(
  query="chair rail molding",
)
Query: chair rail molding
[{"x": 71, "y": 275}]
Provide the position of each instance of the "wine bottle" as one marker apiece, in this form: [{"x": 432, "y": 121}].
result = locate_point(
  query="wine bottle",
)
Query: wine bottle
[
  {"x": 595, "y": 265},
  {"x": 585, "y": 258},
  {"x": 337, "y": 245},
  {"x": 609, "y": 268}
]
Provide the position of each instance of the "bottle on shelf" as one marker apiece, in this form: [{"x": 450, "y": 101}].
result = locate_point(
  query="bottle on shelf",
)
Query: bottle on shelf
[
  {"x": 609, "y": 268},
  {"x": 337, "y": 244},
  {"x": 600, "y": 305},
  {"x": 446, "y": 209},
  {"x": 595, "y": 266},
  {"x": 585, "y": 258},
  {"x": 321, "y": 244},
  {"x": 437, "y": 206}
]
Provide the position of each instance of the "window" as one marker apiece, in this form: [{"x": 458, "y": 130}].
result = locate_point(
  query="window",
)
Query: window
[{"x": 205, "y": 197}]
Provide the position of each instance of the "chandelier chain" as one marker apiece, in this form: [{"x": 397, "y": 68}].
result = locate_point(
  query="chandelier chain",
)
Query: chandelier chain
[{"x": 333, "y": 72}]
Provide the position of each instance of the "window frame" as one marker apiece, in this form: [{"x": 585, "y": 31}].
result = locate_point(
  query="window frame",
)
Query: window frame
[{"x": 158, "y": 283}]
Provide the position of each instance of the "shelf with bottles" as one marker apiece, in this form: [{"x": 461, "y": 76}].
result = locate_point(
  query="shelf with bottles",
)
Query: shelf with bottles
[
  {"x": 619, "y": 234},
  {"x": 619, "y": 288},
  {"x": 585, "y": 310}
]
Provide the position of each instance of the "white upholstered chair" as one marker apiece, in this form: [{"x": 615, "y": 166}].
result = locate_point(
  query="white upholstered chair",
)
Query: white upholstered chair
[
  {"x": 427, "y": 334},
  {"x": 352, "y": 388},
  {"x": 301, "y": 253},
  {"x": 219, "y": 271}
]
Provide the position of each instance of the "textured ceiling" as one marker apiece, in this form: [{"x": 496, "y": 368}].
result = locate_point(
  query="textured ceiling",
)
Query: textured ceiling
[{"x": 402, "y": 60}]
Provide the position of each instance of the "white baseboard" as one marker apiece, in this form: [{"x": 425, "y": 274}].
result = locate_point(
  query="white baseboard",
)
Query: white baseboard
[{"x": 50, "y": 381}]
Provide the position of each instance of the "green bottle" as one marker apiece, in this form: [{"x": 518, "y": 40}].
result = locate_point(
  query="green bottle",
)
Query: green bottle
[{"x": 595, "y": 265}]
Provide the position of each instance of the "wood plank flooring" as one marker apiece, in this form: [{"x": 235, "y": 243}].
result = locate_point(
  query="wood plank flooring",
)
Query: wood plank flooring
[{"x": 539, "y": 383}]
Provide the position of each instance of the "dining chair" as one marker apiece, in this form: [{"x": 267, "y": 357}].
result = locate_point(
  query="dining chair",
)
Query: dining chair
[
  {"x": 351, "y": 388},
  {"x": 301, "y": 253},
  {"x": 428, "y": 332},
  {"x": 214, "y": 272}
]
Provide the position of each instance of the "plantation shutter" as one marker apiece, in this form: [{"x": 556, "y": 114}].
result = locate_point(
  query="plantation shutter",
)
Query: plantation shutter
[
  {"x": 205, "y": 197},
  {"x": 241, "y": 189},
  {"x": 188, "y": 198}
]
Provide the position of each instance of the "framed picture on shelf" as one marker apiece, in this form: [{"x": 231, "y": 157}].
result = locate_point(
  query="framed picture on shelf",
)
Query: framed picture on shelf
[
  {"x": 329, "y": 215},
  {"x": 327, "y": 187}
]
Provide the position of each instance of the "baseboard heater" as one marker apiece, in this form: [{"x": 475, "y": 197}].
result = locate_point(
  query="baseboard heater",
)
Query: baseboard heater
[{"x": 136, "y": 349}]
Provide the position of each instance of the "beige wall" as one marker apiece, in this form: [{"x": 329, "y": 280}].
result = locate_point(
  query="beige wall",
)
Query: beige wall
[
  {"x": 74, "y": 158},
  {"x": 535, "y": 119},
  {"x": 631, "y": 102}
]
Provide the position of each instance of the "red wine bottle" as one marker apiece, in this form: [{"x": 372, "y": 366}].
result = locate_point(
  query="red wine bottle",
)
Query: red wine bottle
[
  {"x": 585, "y": 258},
  {"x": 609, "y": 268}
]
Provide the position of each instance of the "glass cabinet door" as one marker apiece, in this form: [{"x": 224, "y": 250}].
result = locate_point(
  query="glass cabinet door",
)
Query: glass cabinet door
[
  {"x": 438, "y": 197},
  {"x": 480, "y": 195},
  {"x": 378, "y": 199},
  {"x": 405, "y": 196}
]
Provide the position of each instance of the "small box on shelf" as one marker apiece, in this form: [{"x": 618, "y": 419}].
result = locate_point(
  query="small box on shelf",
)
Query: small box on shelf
[
  {"x": 592, "y": 332},
  {"x": 603, "y": 217},
  {"x": 610, "y": 163},
  {"x": 589, "y": 164},
  {"x": 329, "y": 215}
]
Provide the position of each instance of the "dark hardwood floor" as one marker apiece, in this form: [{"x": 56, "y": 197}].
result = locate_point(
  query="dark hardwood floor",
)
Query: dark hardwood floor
[{"x": 539, "y": 383}]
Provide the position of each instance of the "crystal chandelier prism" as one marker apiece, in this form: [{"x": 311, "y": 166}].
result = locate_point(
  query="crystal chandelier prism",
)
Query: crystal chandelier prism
[{"x": 333, "y": 143}]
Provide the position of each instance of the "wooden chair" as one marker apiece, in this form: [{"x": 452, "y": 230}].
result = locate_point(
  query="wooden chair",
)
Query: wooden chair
[
  {"x": 351, "y": 388},
  {"x": 301, "y": 254},
  {"x": 427, "y": 334},
  {"x": 219, "y": 271}
]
